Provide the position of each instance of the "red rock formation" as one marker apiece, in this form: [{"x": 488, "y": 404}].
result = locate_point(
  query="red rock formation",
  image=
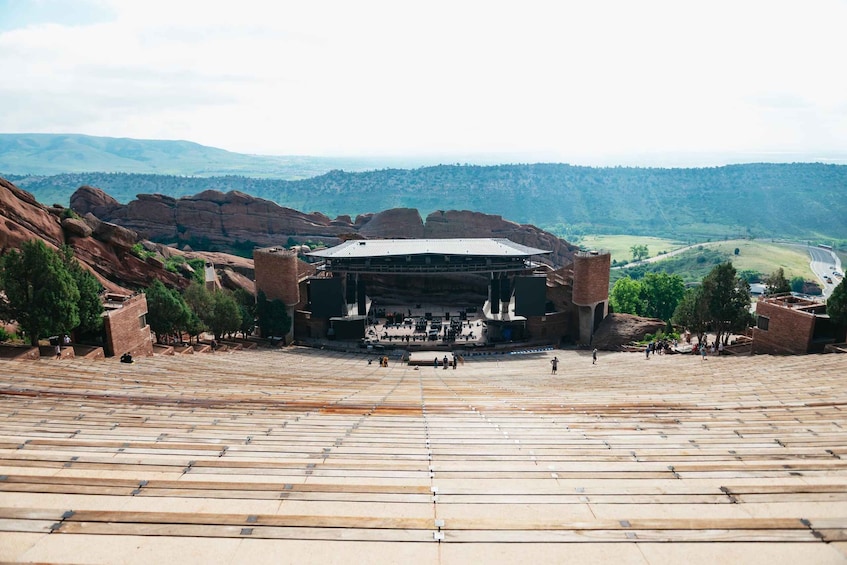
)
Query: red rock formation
[
  {"x": 224, "y": 219},
  {"x": 463, "y": 223},
  {"x": 101, "y": 247},
  {"x": 617, "y": 330},
  {"x": 221, "y": 219},
  {"x": 24, "y": 219},
  {"x": 398, "y": 222}
]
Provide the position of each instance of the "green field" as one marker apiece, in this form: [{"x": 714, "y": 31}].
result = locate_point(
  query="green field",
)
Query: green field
[
  {"x": 619, "y": 245},
  {"x": 760, "y": 256},
  {"x": 766, "y": 257}
]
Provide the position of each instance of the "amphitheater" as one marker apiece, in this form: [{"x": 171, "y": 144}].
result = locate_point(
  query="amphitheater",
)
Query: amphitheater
[{"x": 308, "y": 456}]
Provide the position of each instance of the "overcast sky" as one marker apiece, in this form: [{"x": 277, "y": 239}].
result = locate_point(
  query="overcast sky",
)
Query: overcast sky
[{"x": 583, "y": 82}]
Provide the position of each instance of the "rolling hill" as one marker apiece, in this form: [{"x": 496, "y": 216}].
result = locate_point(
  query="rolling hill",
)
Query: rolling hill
[{"x": 800, "y": 201}]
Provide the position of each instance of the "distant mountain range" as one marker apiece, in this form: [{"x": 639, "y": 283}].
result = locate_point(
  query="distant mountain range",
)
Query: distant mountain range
[
  {"x": 804, "y": 201},
  {"x": 51, "y": 154}
]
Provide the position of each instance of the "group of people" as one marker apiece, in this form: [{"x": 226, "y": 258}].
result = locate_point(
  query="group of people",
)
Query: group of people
[
  {"x": 711, "y": 349},
  {"x": 446, "y": 362},
  {"x": 660, "y": 347}
]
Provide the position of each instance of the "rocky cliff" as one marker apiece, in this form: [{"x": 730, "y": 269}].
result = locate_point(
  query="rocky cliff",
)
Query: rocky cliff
[
  {"x": 236, "y": 221},
  {"x": 103, "y": 248}
]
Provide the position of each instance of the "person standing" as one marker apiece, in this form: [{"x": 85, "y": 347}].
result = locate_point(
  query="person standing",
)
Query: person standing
[
  {"x": 555, "y": 363},
  {"x": 594, "y": 356}
]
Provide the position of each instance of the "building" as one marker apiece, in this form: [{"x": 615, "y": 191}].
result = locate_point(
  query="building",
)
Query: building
[
  {"x": 125, "y": 323},
  {"x": 788, "y": 325},
  {"x": 519, "y": 297}
]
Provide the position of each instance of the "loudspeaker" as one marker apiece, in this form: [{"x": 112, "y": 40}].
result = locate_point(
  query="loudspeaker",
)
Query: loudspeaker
[
  {"x": 530, "y": 296},
  {"x": 327, "y": 297}
]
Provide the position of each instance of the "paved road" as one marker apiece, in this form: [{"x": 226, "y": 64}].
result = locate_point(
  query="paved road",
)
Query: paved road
[{"x": 824, "y": 263}]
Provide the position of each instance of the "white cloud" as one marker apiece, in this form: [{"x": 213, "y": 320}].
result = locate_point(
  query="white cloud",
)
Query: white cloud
[{"x": 570, "y": 80}]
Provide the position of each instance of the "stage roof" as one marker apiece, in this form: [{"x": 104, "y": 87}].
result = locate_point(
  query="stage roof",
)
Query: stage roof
[{"x": 468, "y": 247}]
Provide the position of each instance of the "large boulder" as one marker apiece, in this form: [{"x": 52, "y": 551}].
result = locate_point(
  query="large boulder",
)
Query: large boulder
[
  {"x": 394, "y": 223},
  {"x": 76, "y": 228},
  {"x": 618, "y": 330},
  {"x": 89, "y": 199}
]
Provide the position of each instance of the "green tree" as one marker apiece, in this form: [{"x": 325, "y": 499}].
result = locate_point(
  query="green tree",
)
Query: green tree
[
  {"x": 776, "y": 283},
  {"x": 274, "y": 320},
  {"x": 692, "y": 313},
  {"x": 247, "y": 306},
  {"x": 199, "y": 301},
  {"x": 639, "y": 252},
  {"x": 626, "y": 296},
  {"x": 836, "y": 304},
  {"x": 727, "y": 298},
  {"x": 167, "y": 311},
  {"x": 90, "y": 305},
  {"x": 41, "y": 293},
  {"x": 797, "y": 284},
  {"x": 225, "y": 316},
  {"x": 198, "y": 298},
  {"x": 661, "y": 293}
]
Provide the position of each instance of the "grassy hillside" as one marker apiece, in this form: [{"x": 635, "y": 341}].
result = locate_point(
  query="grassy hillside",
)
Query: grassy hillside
[
  {"x": 799, "y": 201},
  {"x": 796, "y": 201},
  {"x": 757, "y": 256},
  {"x": 619, "y": 246}
]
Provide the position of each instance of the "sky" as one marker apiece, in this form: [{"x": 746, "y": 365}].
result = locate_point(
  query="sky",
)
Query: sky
[{"x": 600, "y": 82}]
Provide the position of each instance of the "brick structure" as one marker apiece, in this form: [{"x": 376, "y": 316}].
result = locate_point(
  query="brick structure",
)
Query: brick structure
[
  {"x": 277, "y": 274},
  {"x": 787, "y": 325},
  {"x": 591, "y": 291},
  {"x": 126, "y": 326}
]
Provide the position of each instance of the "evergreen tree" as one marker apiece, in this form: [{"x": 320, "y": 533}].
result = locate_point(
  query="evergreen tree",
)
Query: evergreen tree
[
  {"x": 225, "y": 316},
  {"x": 797, "y": 284},
  {"x": 727, "y": 300},
  {"x": 167, "y": 312},
  {"x": 836, "y": 304},
  {"x": 247, "y": 307},
  {"x": 274, "y": 320},
  {"x": 41, "y": 293},
  {"x": 776, "y": 283},
  {"x": 692, "y": 313},
  {"x": 198, "y": 299},
  {"x": 90, "y": 305}
]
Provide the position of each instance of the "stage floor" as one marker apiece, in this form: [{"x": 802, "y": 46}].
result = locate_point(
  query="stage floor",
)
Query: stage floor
[{"x": 427, "y": 358}]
